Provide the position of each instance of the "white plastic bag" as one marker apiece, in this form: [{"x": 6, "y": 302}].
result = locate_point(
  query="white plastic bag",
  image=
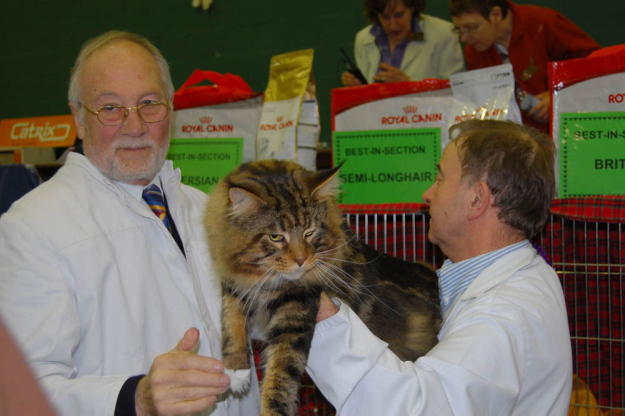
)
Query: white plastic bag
[{"x": 486, "y": 93}]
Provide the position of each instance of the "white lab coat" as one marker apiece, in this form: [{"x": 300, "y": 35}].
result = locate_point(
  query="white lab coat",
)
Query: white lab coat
[
  {"x": 94, "y": 287},
  {"x": 439, "y": 55},
  {"x": 504, "y": 350}
]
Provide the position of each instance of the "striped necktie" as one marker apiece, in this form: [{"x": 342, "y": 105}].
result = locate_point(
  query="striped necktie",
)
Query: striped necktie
[{"x": 154, "y": 197}]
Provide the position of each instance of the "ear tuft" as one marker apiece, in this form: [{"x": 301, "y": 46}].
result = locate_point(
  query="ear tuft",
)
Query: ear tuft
[
  {"x": 244, "y": 202},
  {"x": 326, "y": 183}
]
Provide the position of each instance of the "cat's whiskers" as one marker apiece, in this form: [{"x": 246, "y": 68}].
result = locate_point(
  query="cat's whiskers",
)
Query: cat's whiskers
[
  {"x": 345, "y": 242},
  {"x": 340, "y": 260},
  {"x": 275, "y": 282},
  {"x": 329, "y": 279},
  {"x": 269, "y": 261},
  {"x": 249, "y": 288},
  {"x": 352, "y": 284},
  {"x": 274, "y": 286},
  {"x": 336, "y": 273},
  {"x": 257, "y": 288},
  {"x": 349, "y": 281}
]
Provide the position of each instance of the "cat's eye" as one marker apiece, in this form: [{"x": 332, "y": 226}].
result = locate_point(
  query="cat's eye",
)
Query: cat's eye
[
  {"x": 276, "y": 237},
  {"x": 308, "y": 233}
]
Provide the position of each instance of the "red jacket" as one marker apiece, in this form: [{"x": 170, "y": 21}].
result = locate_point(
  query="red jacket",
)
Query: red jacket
[{"x": 539, "y": 36}]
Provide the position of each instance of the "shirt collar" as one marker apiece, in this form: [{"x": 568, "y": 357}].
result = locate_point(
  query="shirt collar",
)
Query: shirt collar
[
  {"x": 503, "y": 52},
  {"x": 416, "y": 32},
  {"x": 167, "y": 173},
  {"x": 137, "y": 190},
  {"x": 455, "y": 278}
]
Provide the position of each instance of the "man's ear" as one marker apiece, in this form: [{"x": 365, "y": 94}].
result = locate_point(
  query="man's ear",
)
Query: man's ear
[
  {"x": 480, "y": 201},
  {"x": 495, "y": 15},
  {"x": 80, "y": 128}
]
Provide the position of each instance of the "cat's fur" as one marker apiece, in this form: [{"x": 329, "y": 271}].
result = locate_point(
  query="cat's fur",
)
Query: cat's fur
[{"x": 277, "y": 240}]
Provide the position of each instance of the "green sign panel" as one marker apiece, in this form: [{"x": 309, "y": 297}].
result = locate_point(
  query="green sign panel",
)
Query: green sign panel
[
  {"x": 203, "y": 162},
  {"x": 592, "y": 154},
  {"x": 386, "y": 166}
]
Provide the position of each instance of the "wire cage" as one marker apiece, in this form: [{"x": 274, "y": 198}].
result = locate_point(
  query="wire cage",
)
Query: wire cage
[{"x": 589, "y": 259}]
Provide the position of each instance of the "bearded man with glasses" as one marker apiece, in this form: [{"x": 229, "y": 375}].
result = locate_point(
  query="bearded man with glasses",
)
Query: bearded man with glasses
[
  {"x": 528, "y": 37},
  {"x": 117, "y": 309}
]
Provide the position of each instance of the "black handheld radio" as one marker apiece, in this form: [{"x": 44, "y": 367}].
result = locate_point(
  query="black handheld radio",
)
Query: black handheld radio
[{"x": 351, "y": 67}]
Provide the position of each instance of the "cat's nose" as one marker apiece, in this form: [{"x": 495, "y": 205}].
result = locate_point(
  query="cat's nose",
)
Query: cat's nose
[{"x": 300, "y": 260}]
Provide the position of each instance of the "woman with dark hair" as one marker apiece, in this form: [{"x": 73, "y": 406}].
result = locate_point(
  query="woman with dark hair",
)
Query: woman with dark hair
[{"x": 403, "y": 44}]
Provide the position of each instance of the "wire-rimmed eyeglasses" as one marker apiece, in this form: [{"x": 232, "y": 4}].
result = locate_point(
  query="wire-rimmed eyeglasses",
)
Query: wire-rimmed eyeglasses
[
  {"x": 115, "y": 115},
  {"x": 467, "y": 30}
]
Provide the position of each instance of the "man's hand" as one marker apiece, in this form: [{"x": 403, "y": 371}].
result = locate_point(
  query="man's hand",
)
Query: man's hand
[
  {"x": 349, "y": 80},
  {"x": 181, "y": 382},
  {"x": 327, "y": 308},
  {"x": 389, "y": 73},
  {"x": 540, "y": 112}
]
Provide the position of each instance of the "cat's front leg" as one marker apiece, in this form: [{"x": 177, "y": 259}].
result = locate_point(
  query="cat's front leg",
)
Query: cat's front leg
[
  {"x": 289, "y": 335},
  {"x": 234, "y": 341}
]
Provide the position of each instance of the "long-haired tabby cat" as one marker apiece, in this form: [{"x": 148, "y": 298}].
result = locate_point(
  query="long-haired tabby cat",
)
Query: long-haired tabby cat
[{"x": 278, "y": 239}]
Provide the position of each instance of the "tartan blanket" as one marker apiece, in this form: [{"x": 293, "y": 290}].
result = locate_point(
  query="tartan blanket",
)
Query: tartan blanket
[{"x": 605, "y": 208}]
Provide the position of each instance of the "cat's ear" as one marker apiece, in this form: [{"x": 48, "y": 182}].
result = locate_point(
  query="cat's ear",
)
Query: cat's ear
[
  {"x": 244, "y": 202},
  {"x": 326, "y": 183}
]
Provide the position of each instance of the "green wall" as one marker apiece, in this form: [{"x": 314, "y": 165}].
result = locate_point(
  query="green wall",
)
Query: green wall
[{"x": 39, "y": 40}]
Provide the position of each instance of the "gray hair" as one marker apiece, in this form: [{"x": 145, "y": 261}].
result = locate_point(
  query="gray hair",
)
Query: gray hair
[
  {"x": 92, "y": 45},
  {"x": 517, "y": 163}
]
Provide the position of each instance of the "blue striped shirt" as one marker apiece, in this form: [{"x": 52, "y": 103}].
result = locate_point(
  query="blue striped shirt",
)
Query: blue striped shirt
[{"x": 454, "y": 278}]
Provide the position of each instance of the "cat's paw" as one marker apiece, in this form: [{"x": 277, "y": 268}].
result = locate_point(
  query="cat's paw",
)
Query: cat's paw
[{"x": 239, "y": 379}]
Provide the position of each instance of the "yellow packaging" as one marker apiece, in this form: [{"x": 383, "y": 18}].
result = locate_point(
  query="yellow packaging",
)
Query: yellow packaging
[{"x": 289, "y": 121}]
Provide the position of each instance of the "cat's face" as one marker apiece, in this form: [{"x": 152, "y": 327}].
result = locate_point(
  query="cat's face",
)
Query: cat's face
[
  {"x": 287, "y": 246},
  {"x": 284, "y": 224}
]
